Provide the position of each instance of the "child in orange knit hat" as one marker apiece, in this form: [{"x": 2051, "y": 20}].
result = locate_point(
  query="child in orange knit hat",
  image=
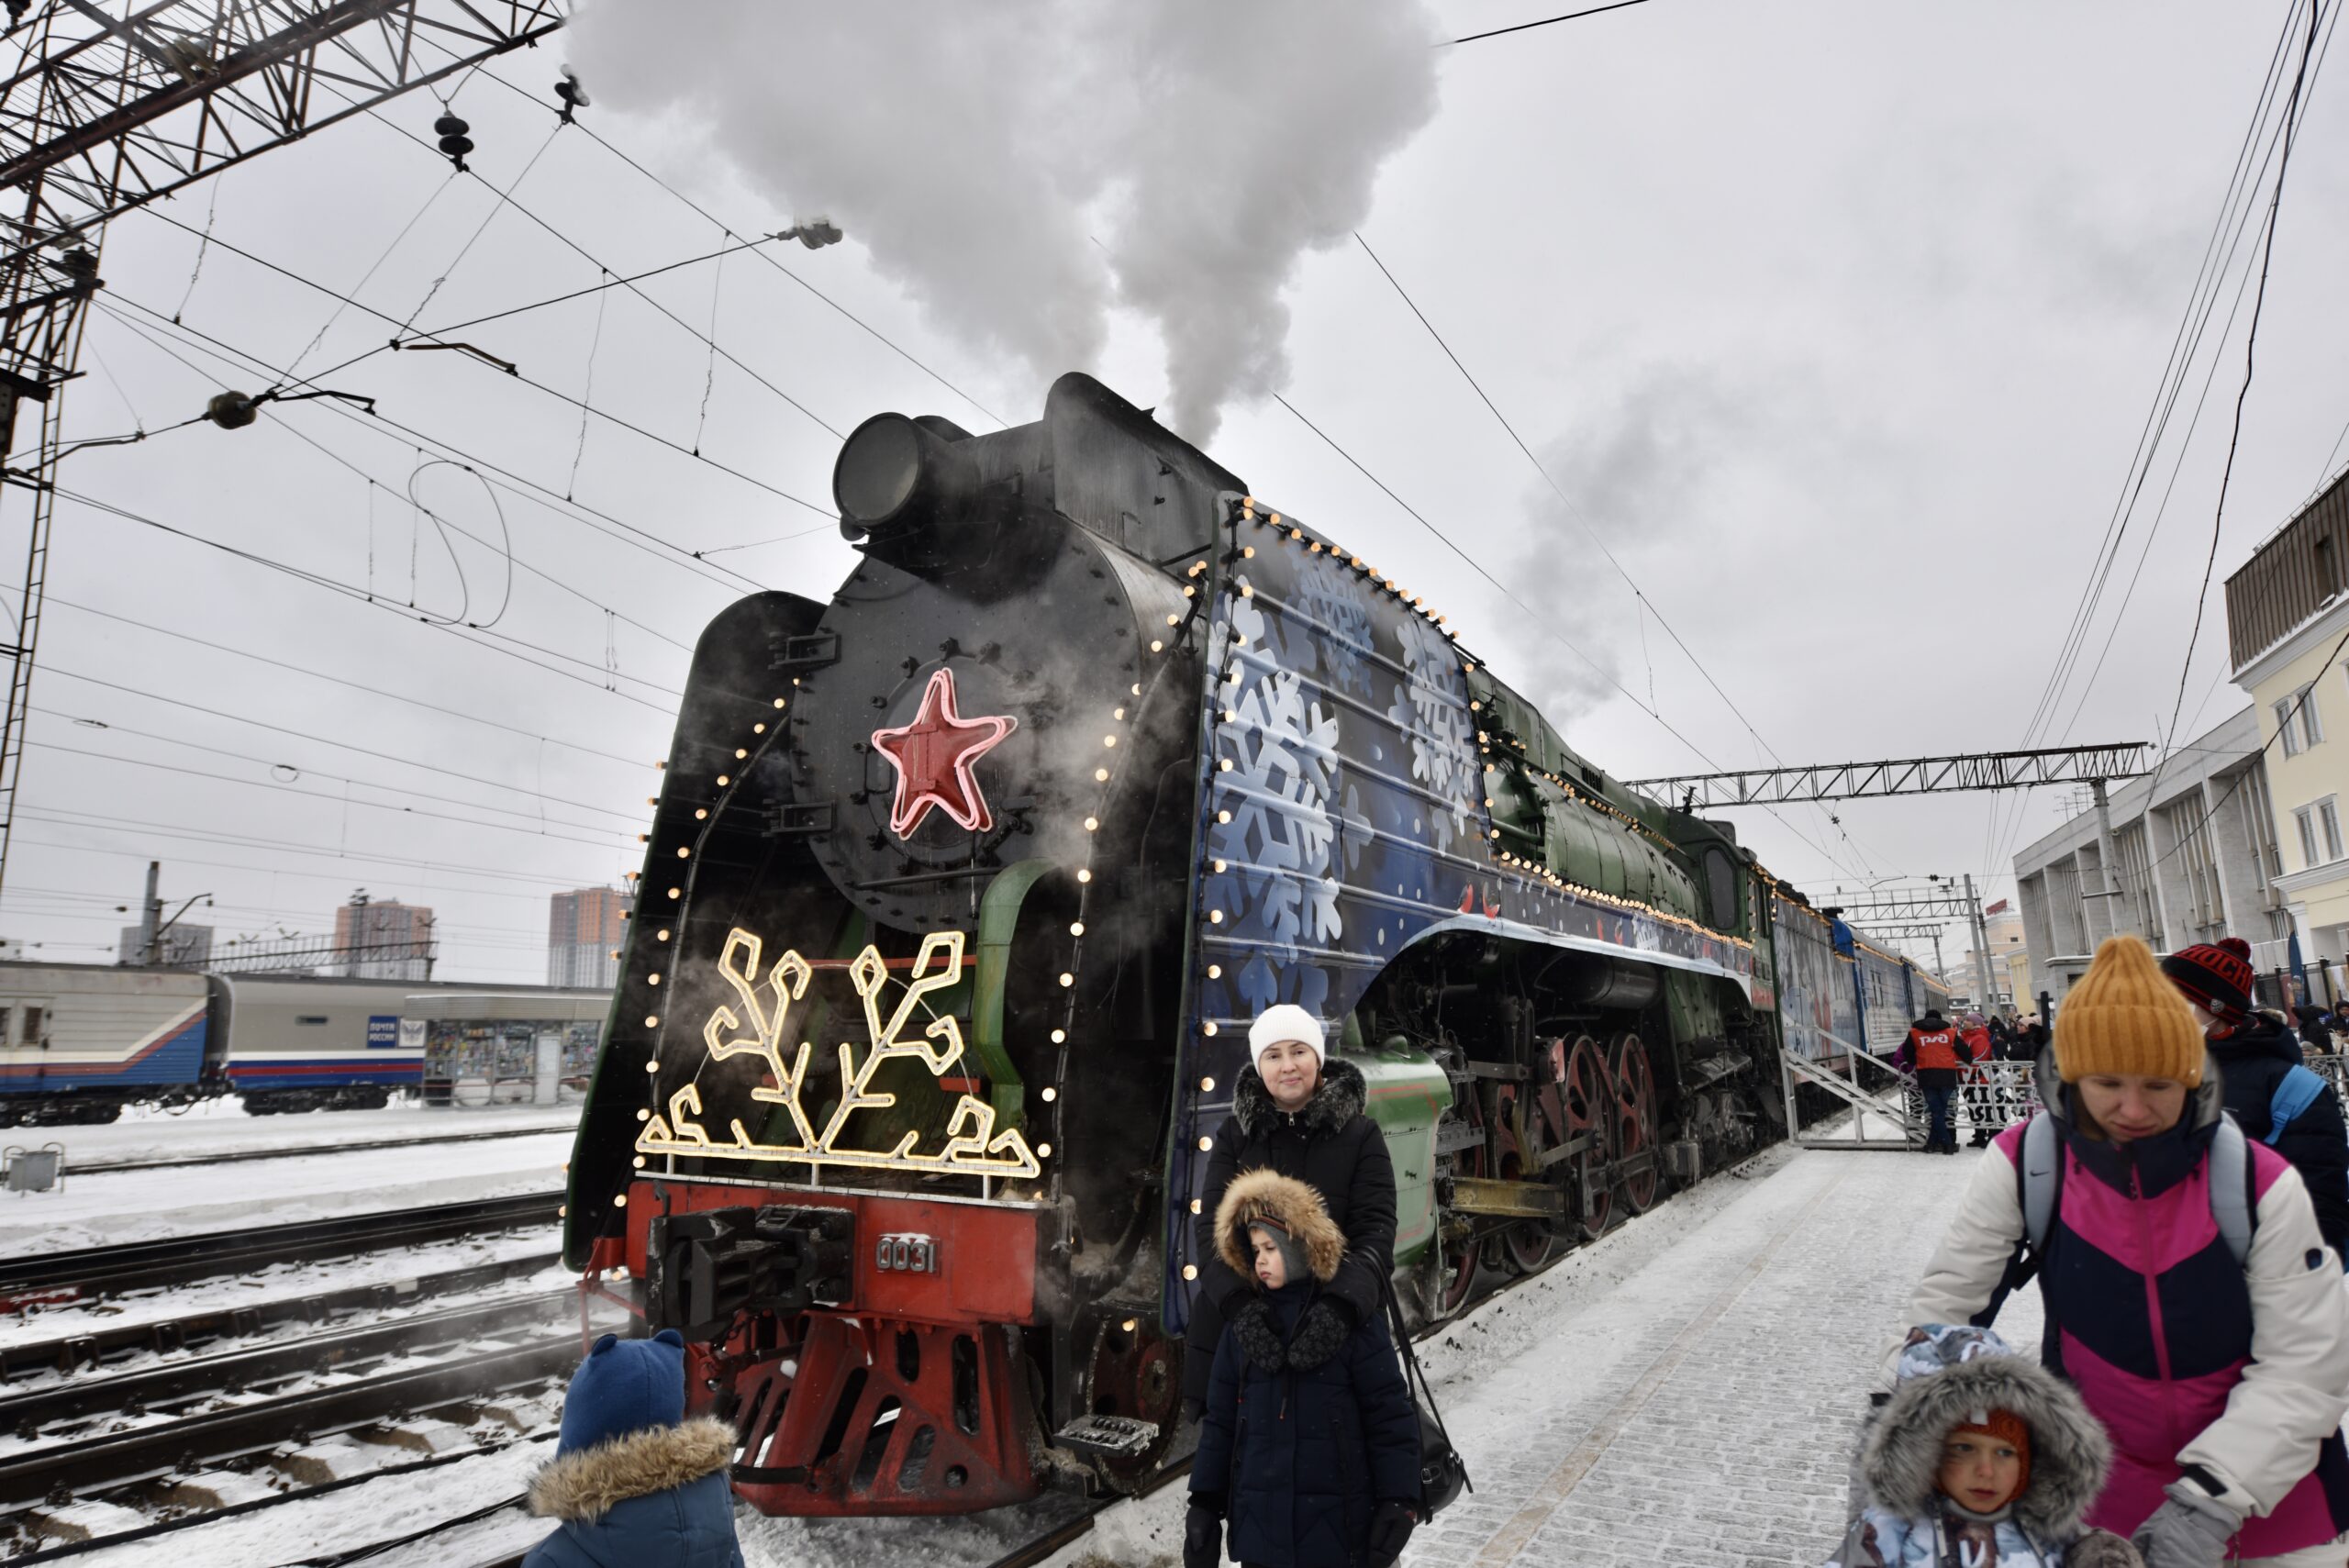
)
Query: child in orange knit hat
[{"x": 1981, "y": 1458}]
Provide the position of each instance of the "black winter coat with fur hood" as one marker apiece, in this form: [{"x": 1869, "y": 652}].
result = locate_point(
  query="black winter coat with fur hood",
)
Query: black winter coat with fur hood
[{"x": 1331, "y": 1147}]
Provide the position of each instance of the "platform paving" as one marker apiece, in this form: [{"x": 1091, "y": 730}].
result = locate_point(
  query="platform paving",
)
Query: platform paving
[{"x": 1702, "y": 1412}]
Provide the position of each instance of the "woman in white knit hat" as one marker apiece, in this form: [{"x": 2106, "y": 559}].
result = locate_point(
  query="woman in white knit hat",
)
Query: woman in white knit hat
[{"x": 1297, "y": 1111}]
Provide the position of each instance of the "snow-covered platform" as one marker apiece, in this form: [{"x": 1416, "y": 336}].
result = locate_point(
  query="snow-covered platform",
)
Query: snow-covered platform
[{"x": 1687, "y": 1391}]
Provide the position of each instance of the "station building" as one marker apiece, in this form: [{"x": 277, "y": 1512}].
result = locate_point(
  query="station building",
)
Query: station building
[
  {"x": 2194, "y": 858},
  {"x": 2287, "y": 638}
]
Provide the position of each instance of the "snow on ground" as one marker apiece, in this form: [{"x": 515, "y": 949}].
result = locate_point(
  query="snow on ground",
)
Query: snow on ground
[
  {"x": 381, "y": 1509},
  {"x": 1685, "y": 1392},
  {"x": 141, "y": 1205},
  {"x": 221, "y": 1126}
]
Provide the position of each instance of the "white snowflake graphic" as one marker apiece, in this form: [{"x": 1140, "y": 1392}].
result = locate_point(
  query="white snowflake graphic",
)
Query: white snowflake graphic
[{"x": 1431, "y": 708}]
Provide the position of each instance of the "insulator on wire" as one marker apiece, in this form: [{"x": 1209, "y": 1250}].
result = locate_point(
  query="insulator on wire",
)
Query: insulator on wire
[
  {"x": 231, "y": 410},
  {"x": 573, "y": 94},
  {"x": 454, "y": 141}
]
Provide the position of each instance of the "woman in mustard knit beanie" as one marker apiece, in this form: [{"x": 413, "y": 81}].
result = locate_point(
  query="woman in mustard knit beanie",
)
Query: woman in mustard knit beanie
[{"x": 2219, "y": 1455}]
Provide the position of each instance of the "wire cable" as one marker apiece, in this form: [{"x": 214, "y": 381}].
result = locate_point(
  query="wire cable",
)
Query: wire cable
[
  {"x": 2292, "y": 111},
  {"x": 1639, "y": 595},
  {"x": 378, "y": 422},
  {"x": 358, "y": 595},
  {"x": 1547, "y": 21},
  {"x": 114, "y": 726},
  {"x": 1544, "y": 622},
  {"x": 154, "y": 696},
  {"x": 630, "y": 426}
]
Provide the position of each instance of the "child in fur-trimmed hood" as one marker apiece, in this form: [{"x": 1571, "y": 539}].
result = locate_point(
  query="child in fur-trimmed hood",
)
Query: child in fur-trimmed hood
[
  {"x": 633, "y": 1481},
  {"x": 1311, "y": 1449},
  {"x": 1981, "y": 1458}
]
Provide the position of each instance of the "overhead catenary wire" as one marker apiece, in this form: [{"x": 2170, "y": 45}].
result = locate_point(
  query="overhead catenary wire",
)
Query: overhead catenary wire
[
  {"x": 149, "y": 625},
  {"x": 2292, "y": 112},
  {"x": 564, "y": 239},
  {"x": 411, "y": 884},
  {"x": 58, "y": 748},
  {"x": 867, "y": 327},
  {"x": 313, "y": 736},
  {"x": 1544, "y": 622},
  {"x": 91, "y": 821},
  {"x": 1638, "y": 594},
  {"x": 381, "y": 424},
  {"x": 2236, "y": 205},
  {"x": 627, "y": 425},
  {"x": 1547, "y": 21},
  {"x": 536, "y": 815},
  {"x": 496, "y": 641}
]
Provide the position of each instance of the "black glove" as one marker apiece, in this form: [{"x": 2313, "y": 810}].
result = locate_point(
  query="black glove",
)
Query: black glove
[
  {"x": 1319, "y": 1333},
  {"x": 1390, "y": 1530},
  {"x": 2190, "y": 1530},
  {"x": 1258, "y": 1336},
  {"x": 1202, "y": 1535}
]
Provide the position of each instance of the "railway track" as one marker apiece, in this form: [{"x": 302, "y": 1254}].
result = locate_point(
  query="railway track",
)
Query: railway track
[
  {"x": 93, "y": 1348},
  {"x": 48, "y": 1279},
  {"x": 236, "y": 1156},
  {"x": 92, "y": 1461}
]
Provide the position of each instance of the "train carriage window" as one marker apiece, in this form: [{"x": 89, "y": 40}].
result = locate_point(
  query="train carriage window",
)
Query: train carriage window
[
  {"x": 34, "y": 1017},
  {"x": 1721, "y": 880},
  {"x": 6, "y": 1012}
]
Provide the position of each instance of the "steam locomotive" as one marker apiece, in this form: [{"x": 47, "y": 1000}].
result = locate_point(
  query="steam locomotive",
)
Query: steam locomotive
[{"x": 963, "y": 885}]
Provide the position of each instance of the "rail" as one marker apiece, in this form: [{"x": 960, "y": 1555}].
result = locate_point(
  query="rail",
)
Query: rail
[
  {"x": 91, "y": 1346},
  {"x": 344, "y": 1351},
  {"x": 236, "y": 1156},
  {"x": 87, "y": 1274}
]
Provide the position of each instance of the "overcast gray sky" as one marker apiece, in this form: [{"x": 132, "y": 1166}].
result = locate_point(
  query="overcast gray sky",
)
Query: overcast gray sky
[{"x": 1837, "y": 323}]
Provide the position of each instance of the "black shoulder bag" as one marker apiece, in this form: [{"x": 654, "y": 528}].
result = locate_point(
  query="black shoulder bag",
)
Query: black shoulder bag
[{"x": 1442, "y": 1476}]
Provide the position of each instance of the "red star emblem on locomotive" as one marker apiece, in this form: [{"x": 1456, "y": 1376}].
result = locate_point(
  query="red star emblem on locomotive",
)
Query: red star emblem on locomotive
[{"x": 933, "y": 756}]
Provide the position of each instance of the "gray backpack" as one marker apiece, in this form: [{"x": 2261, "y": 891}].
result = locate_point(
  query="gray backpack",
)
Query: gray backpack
[{"x": 2038, "y": 1180}]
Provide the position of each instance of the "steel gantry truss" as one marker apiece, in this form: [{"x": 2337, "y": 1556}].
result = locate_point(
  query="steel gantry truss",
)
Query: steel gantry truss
[
  {"x": 1900, "y": 906},
  {"x": 1912, "y": 775},
  {"x": 106, "y": 112}
]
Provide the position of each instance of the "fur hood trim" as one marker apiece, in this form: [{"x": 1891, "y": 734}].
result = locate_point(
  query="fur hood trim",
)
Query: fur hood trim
[
  {"x": 1287, "y": 1203},
  {"x": 2069, "y": 1453},
  {"x": 1336, "y": 1102},
  {"x": 583, "y": 1488}
]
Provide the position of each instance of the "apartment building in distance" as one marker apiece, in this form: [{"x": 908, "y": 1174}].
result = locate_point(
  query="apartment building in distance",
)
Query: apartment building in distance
[
  {"x": 382, "y": 938},
  {"x": 585, "y": 928},
  {"x": 2287, "y": 638}
]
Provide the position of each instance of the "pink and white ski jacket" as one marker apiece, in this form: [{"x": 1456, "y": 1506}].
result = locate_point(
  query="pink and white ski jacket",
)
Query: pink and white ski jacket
[{"x": 2187, "y": 1358}]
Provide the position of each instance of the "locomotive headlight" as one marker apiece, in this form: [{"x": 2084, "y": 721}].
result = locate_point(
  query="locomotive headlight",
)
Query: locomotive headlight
[
  {"x": 1190, "y": 1270},
  {"x": 895, "y": 474}
]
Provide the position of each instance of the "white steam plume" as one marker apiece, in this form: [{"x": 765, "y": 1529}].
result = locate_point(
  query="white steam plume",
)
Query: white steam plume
[{"x": 1021, "y": 166}]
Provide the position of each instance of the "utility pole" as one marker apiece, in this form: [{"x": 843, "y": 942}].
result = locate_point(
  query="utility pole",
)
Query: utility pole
[
  {"x": 151, "y": 914},
  {"x": 1984, "y": 983},
  {"x": 2108, "y": 868}
]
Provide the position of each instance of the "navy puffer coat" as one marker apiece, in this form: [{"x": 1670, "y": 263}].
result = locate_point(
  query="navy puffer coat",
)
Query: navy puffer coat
[
  {"x": 634, "y": 1483},
  {"x": 1301, "y": 1458}
]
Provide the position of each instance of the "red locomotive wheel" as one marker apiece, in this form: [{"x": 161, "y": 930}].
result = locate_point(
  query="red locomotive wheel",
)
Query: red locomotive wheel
[
  {"x": 1457, "y": 1245},
  {"x": 1635, "y": 1123},
  {"x": 1526, "y": 1244},
  {"x": 1587, "y": 1095}
]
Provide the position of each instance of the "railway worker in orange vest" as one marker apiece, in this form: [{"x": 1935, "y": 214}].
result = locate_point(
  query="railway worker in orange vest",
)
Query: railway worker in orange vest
[{"x": 1935, "y": 1053}]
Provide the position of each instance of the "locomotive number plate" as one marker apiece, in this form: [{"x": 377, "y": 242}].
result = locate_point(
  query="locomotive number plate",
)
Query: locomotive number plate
[{"x": 905, "y": 1253}]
